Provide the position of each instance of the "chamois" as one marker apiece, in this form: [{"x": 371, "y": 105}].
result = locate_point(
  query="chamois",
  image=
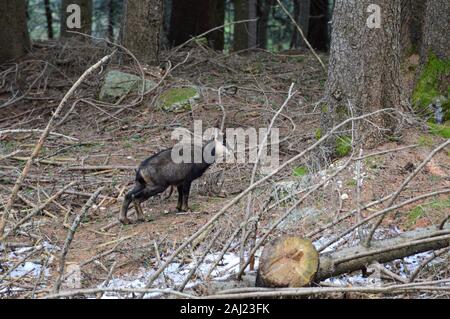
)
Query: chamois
[{"x": 158, "y": 172}]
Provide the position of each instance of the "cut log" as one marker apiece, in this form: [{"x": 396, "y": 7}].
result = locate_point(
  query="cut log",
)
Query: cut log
[
  {"x": 287, "y": 262},
  {"x": 406, "y": 244}
]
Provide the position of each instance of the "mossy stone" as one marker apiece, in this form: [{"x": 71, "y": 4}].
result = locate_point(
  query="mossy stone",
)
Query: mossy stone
[
  {"x": 178, "y": 99},
  {"x": 118, "y": 84},
  {"x": 433, "y": 86}
]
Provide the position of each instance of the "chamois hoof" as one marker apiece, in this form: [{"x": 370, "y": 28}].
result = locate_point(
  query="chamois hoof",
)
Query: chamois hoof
[
  {"x": 141, "y": 220},
  {"x": 124, "y": 221}
]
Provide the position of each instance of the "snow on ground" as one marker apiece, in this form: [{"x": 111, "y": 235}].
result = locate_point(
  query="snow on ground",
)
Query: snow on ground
[
  {"x": 175, "y": 274},
  {"x": 33, "y": 267}
]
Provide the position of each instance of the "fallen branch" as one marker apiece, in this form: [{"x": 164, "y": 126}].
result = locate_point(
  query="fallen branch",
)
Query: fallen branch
[
  {"x": 70, "y": 235},
  {"x": 41, "y": 141},
  {"x": 35, "y": 211},
  {"x": 404, "y": 184},
  {"x": 37, "y": 131},
  {"x": 406, "y": 244}
]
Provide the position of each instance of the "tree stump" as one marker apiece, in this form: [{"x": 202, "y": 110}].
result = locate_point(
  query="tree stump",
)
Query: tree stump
[{"x": 287, "y": 261}]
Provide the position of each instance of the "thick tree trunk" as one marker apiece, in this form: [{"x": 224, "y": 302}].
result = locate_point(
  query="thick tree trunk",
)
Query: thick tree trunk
[
  {"x": 436, "y": 35},
  {"x": 14, "y": 39},
  {"x": 67, "y": 18},
  {"x": 301, "y": 14},
  {"x": 142, "y": 27},
  {"x": 318, "y": 25},
  {"x": 364, "y": 64},
  {"x": 49, "y": 18},
  {"x": 244, "y": 33},
  {"x": 193, "y": 17}
]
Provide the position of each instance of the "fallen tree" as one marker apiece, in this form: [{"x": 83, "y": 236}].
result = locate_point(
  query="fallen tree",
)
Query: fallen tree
[{"x": 290, "y": 261}]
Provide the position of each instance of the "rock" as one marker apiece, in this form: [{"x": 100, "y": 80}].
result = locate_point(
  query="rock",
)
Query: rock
[
  {"x": 73, "y": 280},
  {"x": 118, "y": 84},
  {"x": 292, "y": 221},
  {"x": 178, "y": 99},
  {"x": 289, "y": 188}
]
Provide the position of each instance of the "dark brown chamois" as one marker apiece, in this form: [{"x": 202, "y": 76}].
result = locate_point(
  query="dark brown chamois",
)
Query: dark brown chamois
[{"x": 164, "y": 169}]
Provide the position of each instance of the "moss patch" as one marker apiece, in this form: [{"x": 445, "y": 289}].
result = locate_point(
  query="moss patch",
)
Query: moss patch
[
  {"x": 318, "y": 133},
  {"x": 425, "y": 140},
  {"x": 178, "y": 99},
  {"x": 433, "y": 84},
  {"x": 441, "y": 130},
  {"x": 300, "y": 171},
  {"x": 343, "y": 145}
]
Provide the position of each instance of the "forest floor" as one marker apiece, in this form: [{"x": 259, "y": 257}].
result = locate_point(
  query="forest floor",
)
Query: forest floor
[{"x": 119, "y": 142}]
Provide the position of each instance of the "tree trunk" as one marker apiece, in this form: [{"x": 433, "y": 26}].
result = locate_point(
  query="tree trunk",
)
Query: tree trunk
[
  {"x": 111, "y": 11},
  {"x": 301, "y": 14},
  {"x": 244, "y": 33},
  {"x": 364, "y": 64},
  {"x": 142, "y": 27},
  {"x": 318, "y": 25},
  {"x": 263, "y": 13},
  {"x": 436, "y": 35},
  {"x": 410, "y": 243},
  {"x": 14, "y": 38},
  {"x": 412, "y": 18},
  {"x": 287, "y": 262},
  {"x": 193, "y": 17},
  {"x": 48, "y": 15},
  {"x": 71, "y": 17},
  {"x": 292, "y": 262}
]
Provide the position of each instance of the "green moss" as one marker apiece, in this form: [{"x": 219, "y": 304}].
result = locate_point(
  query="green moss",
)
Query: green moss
[
  {"x": 343, "y": 146},
  {"x": 433, "y": 84},
  {"x": 415, "y": 214},
  {"x": 324, "y": 108},
  {"x": 178, "y": 99},
  {"x": 318, "y": 133},
  {"x": 300, "y": 171},
  {"x": 433, "y": 207},
  {"x": 425, "y": 140},
  {"x": 350, "y": 183},
  {"x": 441, "y": 130}
]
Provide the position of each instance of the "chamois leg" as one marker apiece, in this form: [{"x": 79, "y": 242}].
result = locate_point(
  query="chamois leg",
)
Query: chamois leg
[
  {"x": 186, "y": 189},
  {"x": 143, "y": 196},
  {"x": 138, "y": 187},
  {"x": 180, "y": 198}
]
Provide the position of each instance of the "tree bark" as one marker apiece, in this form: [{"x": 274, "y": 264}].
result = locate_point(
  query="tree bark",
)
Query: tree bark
[
  {"x": 14, "y": 38},
  {"x": 412, "y": 18},
  {"x": 264, "y": 7},
  {"x": 193, "y": 17},
  {"x": 111, "y": 12},
  {"x": 364, "y": 65},
  {"x": 436, "y": 35},
  {"x": 244, "y": 33},
  {"x": 407, "y": 244},
  {"x": 277, "y": 262},
  {"x": 49, "y": 18},
  {"x": 142, "y": 28},
  {"x": 86, "y": 17},
  {"x": 318, "y": 25},
  {"x": 301, "y": 14}
]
